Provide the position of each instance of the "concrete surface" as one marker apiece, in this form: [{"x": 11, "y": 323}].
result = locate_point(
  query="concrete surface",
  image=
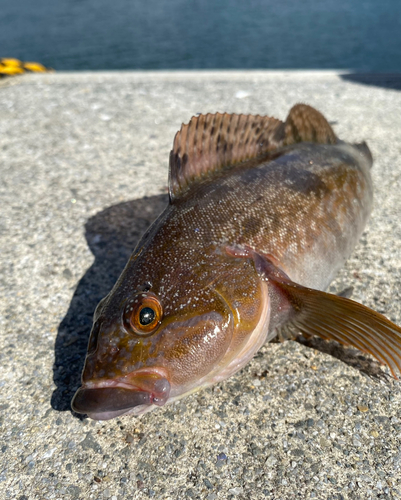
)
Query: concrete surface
[{"x": 83, "y": 172}]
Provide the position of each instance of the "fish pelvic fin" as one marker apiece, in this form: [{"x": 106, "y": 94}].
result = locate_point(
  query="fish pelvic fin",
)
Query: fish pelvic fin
[
  {"x": 332, "y": 317},
  {"x": 306, "y": 124},
  {"x": 347, "y": 292}
]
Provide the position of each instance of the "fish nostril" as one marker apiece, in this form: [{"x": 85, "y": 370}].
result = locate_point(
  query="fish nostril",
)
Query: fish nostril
[{"x": 145, "y": 287}]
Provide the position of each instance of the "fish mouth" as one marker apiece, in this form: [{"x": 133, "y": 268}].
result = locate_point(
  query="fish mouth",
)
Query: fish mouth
[{"x": 135, "y": 393}]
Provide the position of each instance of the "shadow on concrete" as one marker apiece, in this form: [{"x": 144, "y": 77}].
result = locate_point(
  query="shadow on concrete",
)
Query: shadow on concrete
[
  {"x": 112, "y": 236},
  {"x": 386, "y": 81},
  {"x": 349, "y": 356}
]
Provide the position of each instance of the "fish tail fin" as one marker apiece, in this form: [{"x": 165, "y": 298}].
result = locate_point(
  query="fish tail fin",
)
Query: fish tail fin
[
  {"x": 307, "y": 124},
  {"x": 363, "y": 148}
]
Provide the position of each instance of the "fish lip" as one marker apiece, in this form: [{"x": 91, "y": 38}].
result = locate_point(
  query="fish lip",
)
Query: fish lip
[
  {"x": 106, "y": 400},
  {"x": 133, "y": 393},
  {"x": 125, "y": 380}
]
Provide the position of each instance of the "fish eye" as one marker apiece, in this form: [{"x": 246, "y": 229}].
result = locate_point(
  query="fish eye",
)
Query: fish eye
[
  {"x": 143, "y": 313},
  {"x": 146, "y": 316}
]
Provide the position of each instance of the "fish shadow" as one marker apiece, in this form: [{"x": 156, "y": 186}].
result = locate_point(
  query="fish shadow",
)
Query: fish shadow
[
  {"x": 112, "y": 235},
  {"x": 351, "y": 357}
]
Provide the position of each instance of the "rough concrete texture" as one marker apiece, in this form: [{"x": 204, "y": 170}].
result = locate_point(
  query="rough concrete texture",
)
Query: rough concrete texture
[{"x": 83, "y": 173}]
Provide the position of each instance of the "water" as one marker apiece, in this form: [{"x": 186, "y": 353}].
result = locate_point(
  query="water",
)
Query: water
[{"x": 359, "y": 35}]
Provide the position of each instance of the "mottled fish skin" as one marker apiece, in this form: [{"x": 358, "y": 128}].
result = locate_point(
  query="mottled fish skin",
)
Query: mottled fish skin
[
  {"x": 223, "y": 261},
  {"x": 307, "y": 208}
]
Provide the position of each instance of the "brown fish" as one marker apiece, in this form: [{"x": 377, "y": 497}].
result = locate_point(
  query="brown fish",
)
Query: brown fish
[{"x": 262, "y": 215}]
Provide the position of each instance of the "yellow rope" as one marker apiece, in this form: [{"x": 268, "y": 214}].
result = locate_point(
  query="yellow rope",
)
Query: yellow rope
[{"x": 10, "y": 66}]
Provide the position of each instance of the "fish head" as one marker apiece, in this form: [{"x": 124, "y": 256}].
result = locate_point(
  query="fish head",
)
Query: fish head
[{"x": 166, "y": 331}]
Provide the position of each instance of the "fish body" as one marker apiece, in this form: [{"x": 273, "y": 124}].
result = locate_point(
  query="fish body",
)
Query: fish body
[{"x": 262, "y": 215}]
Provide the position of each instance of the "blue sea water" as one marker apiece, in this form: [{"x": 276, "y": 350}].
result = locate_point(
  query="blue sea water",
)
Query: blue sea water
[{"x": 359, "y": 35}]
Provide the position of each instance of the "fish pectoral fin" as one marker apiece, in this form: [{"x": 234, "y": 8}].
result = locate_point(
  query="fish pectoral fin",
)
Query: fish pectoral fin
[{"x": 332, "y": 317}]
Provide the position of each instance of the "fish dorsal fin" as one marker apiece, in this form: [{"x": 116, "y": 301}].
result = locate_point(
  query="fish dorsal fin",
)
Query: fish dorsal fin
[
  {"x": 306, "y": 124},
  {"x": 209, "y": 143}
]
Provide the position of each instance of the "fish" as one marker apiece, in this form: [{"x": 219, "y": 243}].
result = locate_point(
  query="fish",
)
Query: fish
[{"x": 262, "y": 214}]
